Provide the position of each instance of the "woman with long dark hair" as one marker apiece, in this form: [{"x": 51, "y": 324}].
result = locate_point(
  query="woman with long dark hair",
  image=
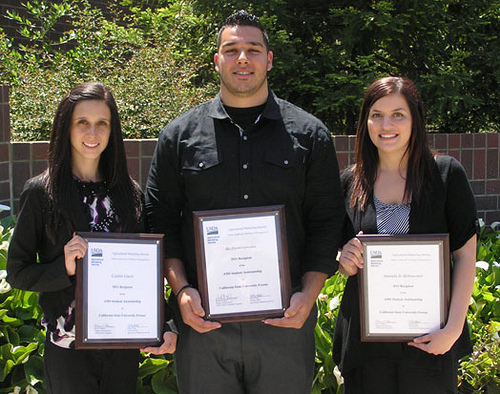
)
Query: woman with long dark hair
[
  {"x": 398, "y": 186},
  {"x": 86, "y": 187}
]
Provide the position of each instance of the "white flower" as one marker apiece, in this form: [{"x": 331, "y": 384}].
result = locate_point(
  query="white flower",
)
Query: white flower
[
  {"x": 4, "y": 286},
  {"x": 481, "y": 222},
  {"x": 483, "y": 265},
  {"x": 3, "y": 274},
  {"x": 31, "y": 390},
  {"x": 334, "y": 303},
  {"x": 323, "y": 297},
  {"x": 17, "y": 390},
  {"x": 494, "y": 225},
  {"x": 338, "y": 375}
]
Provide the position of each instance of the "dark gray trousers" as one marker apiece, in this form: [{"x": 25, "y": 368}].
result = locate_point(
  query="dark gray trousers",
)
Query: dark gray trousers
[
  {"x": 90, "y": 371},
  {"x": 248, "y": 357},
  {"x": 380, "y": 376}
]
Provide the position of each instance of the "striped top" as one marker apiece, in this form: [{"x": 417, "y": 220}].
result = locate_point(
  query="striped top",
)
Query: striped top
[{"x": 392, "y": 219}]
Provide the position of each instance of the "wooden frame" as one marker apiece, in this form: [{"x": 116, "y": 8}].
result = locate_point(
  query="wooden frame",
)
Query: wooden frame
[
  {"x": 398, "y": 283},
  {"x": 224, "y": 234},
  {"x": 121, "y": 263}
]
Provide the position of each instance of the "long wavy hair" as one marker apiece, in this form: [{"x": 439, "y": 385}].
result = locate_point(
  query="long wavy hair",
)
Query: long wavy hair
[
  {"x": 123, "y": 191},
  {"x": 366, "y": 153}
]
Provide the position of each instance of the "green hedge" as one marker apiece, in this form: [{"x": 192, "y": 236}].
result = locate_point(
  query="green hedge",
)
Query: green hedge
[{"x": 22, "y": 337}]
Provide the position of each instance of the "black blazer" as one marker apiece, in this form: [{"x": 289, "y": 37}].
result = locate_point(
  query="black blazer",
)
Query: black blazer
[
  {"x": 447, "y": 206},
  {"x": 30, "y": 240}
]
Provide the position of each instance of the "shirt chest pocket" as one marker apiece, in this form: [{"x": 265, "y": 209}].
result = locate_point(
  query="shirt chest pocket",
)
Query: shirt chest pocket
[
  {"x": 284, "y": 169},
  {"x": 201, "y": 172}
]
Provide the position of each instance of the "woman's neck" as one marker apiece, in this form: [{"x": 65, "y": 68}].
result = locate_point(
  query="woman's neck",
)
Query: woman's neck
[
  {"x": 390, "y": 183},
  {"x": 90, "y": 174}
]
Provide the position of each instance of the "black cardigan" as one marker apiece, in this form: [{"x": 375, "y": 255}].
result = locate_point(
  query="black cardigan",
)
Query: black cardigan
[
  {"x": 447, "y": 206},
  {"x": 48, "y": 277}
]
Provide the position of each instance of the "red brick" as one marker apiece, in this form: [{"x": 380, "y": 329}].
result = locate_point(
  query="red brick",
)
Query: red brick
[
  {"x": 479, "y": 140},
  {"x": 4, "y": 123},
  {"x": 20, "y": 151},
  {"x": 39, "y": 166},
  {"x": 40, "y": 150},
  {"x": 4, "y": 152},
  {"x": 21, "y": 173},
  {"x": 133, "y": 168},
  {"x": 492, "y": 216},
  {"x": 4, "y": 171},
  {"x": 486, "y": 203},
  {"x": 352, "y": 142},
  {"x": 493, "y": 187},
  {"x": 343, "y": 159},
  {"x": 466, "y": 160},
  {"x": 132, "y": 148},
  {"x": 341, "y": 143},
  {"x": 148, "y": 147},
  {"x": 466, "y": 141},
  {"x": 4, "y": 191},
  {"x": 453, "y": 141},
  {"x": 146, "y": 163},
  {"x": 478, "y": 187},
  {"x": 492, "y": 163},
  {"x": 479, "y": 164},
  {"x": 492, "y": 140},
  {"x": 440, "y": 142}
]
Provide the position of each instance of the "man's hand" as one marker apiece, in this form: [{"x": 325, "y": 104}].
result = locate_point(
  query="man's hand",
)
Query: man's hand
[
  {"x": 192, "y": 312},
  {"x": 168, "y": 345},
  {"x": 296, "y": 315}
]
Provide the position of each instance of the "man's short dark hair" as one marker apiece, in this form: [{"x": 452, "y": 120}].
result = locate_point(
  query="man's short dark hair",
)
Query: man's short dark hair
[{"x": 243, "y": 18}]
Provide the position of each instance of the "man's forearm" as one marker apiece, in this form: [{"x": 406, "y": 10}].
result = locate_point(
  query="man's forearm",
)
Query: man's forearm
[{"x": 175, "y": 274}]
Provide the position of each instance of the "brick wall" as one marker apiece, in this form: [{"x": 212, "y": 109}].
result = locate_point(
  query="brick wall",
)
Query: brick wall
[{"x": 478, "y": 153}]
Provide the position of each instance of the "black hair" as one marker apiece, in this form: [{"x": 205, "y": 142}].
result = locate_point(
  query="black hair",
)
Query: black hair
[{"x": 243, "y": 18}]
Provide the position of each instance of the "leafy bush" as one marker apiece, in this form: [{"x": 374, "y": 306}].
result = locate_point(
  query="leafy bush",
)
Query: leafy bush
[{"x": 143, "y": 57}]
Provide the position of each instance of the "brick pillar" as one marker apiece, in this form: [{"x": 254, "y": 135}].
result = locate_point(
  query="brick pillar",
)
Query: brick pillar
[{"x": 6, "y": 197}]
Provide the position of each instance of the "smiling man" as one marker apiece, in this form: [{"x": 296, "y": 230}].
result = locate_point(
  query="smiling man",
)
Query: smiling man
[{"x": 246, "y": 148}]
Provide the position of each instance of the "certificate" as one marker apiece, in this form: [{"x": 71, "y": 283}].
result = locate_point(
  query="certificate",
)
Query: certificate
[
  {"x": 242, "y": 263},
  {"x": 119, "y": 293},
  {"x": 404, "y": 286}
]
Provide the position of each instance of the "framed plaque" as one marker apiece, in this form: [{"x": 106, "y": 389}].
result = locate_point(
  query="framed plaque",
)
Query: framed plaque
[
  {"x": 404, "y": 286},
  {"x": 242, "y": 263},
  {"x": 119, "y": 291}
]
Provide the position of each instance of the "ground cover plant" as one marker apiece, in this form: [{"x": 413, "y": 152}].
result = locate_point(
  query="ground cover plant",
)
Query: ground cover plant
[{"x": 22, "y": 337}]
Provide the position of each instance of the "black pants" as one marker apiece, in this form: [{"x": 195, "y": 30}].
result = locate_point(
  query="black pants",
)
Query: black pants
[
  {"x": 248, "y": 357},
  {"x": 90, "y": 371},
  {"x": 379, "y": 376}
]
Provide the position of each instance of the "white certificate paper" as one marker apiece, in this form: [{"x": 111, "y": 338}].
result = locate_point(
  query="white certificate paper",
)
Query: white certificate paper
[
  {"x": 242, "y": 264},
  {"x": 403, "y": 288},
  {"x": 122, "y": 295}
]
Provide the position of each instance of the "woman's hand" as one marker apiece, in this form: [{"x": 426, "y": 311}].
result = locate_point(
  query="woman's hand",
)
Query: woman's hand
[
  {"x": 168, "y": 345},
  {"x": 351, "y": 257},
  {"x": 74, "y": 249},
  {"x": 437, "y": 342}
]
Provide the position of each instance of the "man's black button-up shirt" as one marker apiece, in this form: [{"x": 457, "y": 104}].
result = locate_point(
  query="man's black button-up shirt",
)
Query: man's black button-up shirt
[{"x": 204, "y": 161}]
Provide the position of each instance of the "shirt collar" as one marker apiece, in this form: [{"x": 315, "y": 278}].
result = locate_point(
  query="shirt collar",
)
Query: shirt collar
[{"x": 271, "y": 111}]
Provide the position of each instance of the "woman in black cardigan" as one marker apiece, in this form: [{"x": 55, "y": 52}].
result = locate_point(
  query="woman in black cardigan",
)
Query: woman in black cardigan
[
  {"x": 398, "y": 186},
  {"x": 86, "y": 187}
]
